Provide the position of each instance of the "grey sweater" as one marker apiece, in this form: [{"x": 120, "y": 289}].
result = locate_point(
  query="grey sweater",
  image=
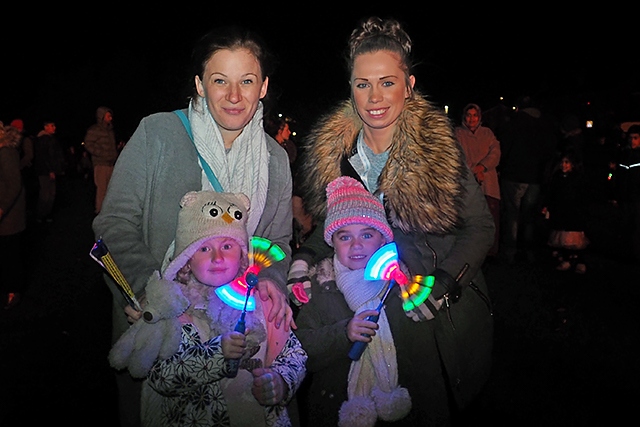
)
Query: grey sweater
[{"x": 138, "y": 219}]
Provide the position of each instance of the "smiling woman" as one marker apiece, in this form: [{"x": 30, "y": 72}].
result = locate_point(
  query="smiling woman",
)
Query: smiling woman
[
  {"x": 402, "y": 149},
  {"x": 219, "y": 143}
]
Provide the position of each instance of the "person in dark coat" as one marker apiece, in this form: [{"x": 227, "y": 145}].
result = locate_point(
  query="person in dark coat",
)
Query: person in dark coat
[
  {"x": 49, "y": 165},
  {"x": 100, "y": 142},
  {"x": 628, "y": 189},
  {"x": 404, "y": 151},
  {"x": 13, "y": 219},
  {"x": 566, "y": 209},
  {"x": 527, "y": 145}
]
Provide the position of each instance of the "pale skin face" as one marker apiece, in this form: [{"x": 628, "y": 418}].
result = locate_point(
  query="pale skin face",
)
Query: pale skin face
[
  {"x": 566, "y": 165},
  {"x": 379, "y": 91},
  {"x": 233, "y": 87},
  {"x": 50, "y": 128},
  {"x": 472, "y": 119},
  {"x": 283, "y": 133},
  {"x": 217, "y": 261},
  {"x": 634, "y": 138},
  {"x": 354, "y": 244}
]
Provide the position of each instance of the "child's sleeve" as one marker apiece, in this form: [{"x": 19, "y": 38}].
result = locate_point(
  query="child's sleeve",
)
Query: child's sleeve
[
  {"x": 291, "y": 365},
  {"x": 196, "y": 363}
]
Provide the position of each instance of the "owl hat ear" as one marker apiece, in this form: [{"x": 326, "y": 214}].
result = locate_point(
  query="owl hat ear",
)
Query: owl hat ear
[{"x": 207, "y": 214}]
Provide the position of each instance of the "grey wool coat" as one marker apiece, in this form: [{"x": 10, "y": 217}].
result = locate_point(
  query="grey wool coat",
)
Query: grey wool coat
[{"x": 139, "y": 215}]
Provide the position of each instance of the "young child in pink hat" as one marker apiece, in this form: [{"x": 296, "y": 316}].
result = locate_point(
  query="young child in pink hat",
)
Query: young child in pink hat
[{"x": 343, "y": 392}]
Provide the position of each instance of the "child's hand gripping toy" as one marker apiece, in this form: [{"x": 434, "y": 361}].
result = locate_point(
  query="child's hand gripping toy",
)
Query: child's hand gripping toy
[
  {"x": 384, "y": 265},
  {"x": 239, "y": 293}
]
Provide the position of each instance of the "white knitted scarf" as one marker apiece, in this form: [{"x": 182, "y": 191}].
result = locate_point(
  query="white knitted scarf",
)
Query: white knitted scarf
[
  {"x": 245, "y": 168},
  {"x": 373, "y": 389}
]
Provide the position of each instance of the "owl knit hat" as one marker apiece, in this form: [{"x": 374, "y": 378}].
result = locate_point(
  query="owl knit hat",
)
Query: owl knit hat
[
  {"x": 348, "y": 202},
  {"x": 207, "y": 214}
]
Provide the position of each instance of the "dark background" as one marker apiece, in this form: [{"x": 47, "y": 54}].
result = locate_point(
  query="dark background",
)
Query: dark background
[
  {"x": 564, "y": 343},
  {"x": 63, "y": 64}
]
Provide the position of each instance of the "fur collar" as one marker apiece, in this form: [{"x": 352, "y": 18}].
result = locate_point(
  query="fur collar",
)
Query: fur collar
[{"x": 421, "y": 181}]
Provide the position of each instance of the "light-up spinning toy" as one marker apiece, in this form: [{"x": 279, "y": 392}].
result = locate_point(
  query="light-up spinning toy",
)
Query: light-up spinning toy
[
  {"x": 384, "y": 265},
  {"x": 239, "y": 293},
  {"x": 262, "y": 253}
]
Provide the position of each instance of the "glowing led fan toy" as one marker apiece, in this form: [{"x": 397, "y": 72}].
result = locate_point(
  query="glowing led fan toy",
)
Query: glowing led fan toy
[
  {"x": 100, "y": 253},
  {"x": 262, "y": 253},
  {"x": 384, "y": 265}
]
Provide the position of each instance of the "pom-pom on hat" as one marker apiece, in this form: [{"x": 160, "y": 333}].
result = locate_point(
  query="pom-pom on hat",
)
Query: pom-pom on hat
[
  {"x": 348, "y": 202},
  {"x": 207, "y": 214}
]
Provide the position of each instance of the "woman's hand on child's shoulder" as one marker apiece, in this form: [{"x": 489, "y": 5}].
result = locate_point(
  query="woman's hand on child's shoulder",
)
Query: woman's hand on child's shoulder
[{"x": 281, "y": 311}]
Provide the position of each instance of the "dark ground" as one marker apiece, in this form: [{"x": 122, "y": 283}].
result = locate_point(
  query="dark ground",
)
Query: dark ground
[{"x": 566, "y": 345}]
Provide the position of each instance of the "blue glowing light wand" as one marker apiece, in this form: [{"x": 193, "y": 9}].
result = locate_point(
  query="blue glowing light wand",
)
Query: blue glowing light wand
[
  {"x": 384, "y": 265},
  {"x": 252, "y": 281}
]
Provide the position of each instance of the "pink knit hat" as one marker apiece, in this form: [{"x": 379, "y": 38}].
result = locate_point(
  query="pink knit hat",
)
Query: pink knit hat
[{"x": 348, "y": 202}]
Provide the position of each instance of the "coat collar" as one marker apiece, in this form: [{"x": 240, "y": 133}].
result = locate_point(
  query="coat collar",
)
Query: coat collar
[{"x": 421, "y": 181}]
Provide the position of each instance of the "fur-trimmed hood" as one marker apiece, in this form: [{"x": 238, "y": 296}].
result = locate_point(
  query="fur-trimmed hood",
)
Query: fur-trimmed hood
[
  {"x": 421, "y": 180},
  {"x": 9, "y": 136}
]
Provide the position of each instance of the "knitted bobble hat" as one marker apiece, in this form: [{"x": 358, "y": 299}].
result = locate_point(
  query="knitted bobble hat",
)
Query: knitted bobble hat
[
  {"x": 348, "y": 202},
  {"x": 207, "y": 214}
]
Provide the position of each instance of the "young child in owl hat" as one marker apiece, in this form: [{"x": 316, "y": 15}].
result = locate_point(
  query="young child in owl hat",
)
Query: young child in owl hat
[{"x": 211, "y": 250}]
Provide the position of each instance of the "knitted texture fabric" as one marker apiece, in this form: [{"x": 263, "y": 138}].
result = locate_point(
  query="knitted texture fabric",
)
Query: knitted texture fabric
[
  {"x": 207, "y": 214},
  {"x": 348, "y": 202},
  {"x": 373, "y": 387}
]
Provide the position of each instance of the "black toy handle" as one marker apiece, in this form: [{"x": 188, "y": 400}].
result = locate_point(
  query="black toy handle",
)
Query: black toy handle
[{"x": 358, "y": 347}]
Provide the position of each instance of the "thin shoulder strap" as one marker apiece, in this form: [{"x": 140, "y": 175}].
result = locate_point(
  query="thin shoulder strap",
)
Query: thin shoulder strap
[
  {"x": 185, "y": 122},
  {"x": 205, "y": 166}
]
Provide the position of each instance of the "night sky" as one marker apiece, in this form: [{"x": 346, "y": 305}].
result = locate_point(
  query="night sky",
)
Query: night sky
[{"x": 65, "y": 67}]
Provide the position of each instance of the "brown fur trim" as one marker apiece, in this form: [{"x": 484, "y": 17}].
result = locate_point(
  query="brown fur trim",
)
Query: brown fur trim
[{"x": 421, "y": 180}]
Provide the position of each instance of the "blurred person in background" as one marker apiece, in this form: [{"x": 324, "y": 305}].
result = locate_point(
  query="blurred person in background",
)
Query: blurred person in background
[
  {"x": 527, "y": 147},
  {"x": 565, "y": 203},
  {"x": 49, "y": 164},
  {"x": 100, "y": 142},
  {"x": 29, "y": 178},
  {"x": 628, "y": 190},
  {"x": 482, "y": 151},
  {"x": 13, "y": 219}
]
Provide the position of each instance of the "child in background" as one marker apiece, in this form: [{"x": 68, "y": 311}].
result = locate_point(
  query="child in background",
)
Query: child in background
[
  {"x": 566, "y": 209},
  {"x": 211, "y": 251},
  {"x": 387, "y": 382}
]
